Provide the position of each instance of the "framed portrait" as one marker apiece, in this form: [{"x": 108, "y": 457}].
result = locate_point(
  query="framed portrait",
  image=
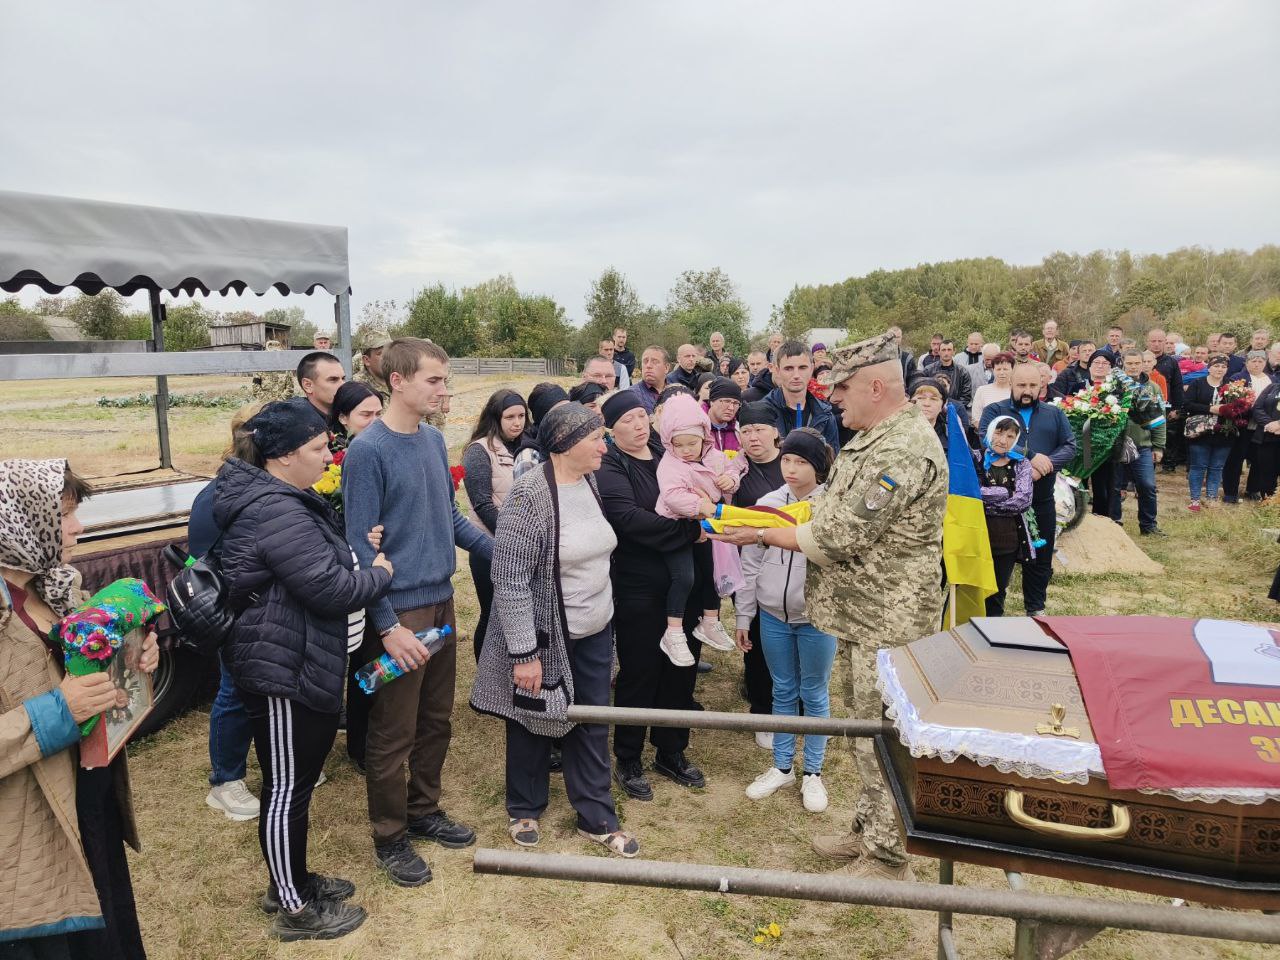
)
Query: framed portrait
[{"x": 134, "y": 700}]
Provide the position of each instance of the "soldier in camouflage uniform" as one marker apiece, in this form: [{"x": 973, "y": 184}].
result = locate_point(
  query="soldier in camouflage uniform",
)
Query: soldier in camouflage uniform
[
  {"x": 874, "y": 548},
  {"x": 274, "y": 384},
  {"x": 371, "y": 373}
]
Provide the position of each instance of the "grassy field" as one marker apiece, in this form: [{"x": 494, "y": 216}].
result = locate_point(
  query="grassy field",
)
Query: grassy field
[{"x": 199, "y": 875}]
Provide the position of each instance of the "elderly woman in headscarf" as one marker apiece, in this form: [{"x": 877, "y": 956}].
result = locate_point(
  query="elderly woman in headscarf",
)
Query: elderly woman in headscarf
[
  {"x": 1005, "y": 481},
  {"x": 62, "y": 828},
  {"x": 550, "y": 637}
]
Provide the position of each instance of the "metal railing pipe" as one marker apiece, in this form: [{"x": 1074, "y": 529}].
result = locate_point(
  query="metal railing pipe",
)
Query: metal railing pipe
[
  {"x": 1154, "y": 918},
  {"x": 711, "y": 720}
]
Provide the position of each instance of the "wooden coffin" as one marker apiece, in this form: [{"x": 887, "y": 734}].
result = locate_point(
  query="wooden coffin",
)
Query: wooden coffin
[{"x": 1006, "y": 677}]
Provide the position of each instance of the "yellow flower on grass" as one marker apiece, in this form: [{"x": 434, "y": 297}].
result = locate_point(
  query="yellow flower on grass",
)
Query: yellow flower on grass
[
  {"x": 774, "y": 930},
  {"x": 758, "y": 938}
]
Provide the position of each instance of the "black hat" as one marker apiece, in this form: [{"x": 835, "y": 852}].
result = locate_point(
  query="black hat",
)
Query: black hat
[
  {"x": 543, "y": 397},
  {"x": 920, "y": 381},
  {"x": 1104, "y": 354},
  {"x": 701, "y": 379},
  {"x": 588, "y": 392},
  {"x": 807, "y": 443},
  {"x": 283, "y": 426},
  {"x": 757, "y": 412},
  {"x": 619, "y": 405},
  {"x": 722, "y": 388}
]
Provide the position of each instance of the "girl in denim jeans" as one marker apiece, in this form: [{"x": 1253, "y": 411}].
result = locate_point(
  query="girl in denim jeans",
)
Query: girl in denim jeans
[{"x": 799, "y": 655}]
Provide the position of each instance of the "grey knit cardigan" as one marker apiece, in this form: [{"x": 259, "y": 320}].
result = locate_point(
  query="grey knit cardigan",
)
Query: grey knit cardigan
[{"x": 528, "y": 618}]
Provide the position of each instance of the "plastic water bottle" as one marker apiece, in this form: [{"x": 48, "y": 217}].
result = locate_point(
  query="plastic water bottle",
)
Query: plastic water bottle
[{"x": 373, "y": 676}]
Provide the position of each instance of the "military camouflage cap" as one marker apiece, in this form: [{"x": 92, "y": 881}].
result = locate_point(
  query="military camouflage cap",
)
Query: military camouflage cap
[
  {"x": 845, "y": 360},
  {"x": 371, "y": 338}
]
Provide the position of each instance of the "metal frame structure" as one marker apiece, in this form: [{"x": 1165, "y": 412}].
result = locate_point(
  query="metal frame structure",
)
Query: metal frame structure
[
  {"x": 1047, "y": 926},
  {"x": 55, "y": 243}
]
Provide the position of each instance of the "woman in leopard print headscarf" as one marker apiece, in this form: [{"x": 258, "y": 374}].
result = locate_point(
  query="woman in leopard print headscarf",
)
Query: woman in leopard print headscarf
[
  {"x": 31, "y": 528},
  {"x": 62, "y": 828}
]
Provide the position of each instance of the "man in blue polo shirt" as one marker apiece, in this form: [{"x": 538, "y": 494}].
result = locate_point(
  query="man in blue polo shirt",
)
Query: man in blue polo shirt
[{"x": 1049, "y": 444}]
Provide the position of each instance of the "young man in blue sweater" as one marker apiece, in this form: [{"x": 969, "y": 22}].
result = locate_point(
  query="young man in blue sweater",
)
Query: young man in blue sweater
[{"x": 397, "y": 471}]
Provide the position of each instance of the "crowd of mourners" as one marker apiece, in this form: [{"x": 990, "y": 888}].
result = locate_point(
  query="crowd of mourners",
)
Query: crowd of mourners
[{"x": 597, "y": 583}]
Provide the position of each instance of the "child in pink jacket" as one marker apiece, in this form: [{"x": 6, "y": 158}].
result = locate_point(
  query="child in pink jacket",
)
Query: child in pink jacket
[{"x": 692, "y": 476}]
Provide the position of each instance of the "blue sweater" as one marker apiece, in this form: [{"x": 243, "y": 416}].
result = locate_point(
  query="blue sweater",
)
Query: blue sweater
[{"x": 401, "y": 480}]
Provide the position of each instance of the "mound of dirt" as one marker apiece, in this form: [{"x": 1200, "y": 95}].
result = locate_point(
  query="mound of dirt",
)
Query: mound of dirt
[{"x": 1099, "y": 546}]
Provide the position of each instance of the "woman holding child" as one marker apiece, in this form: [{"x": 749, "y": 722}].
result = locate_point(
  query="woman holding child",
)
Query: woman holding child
[{"x": 628, "y": 483}]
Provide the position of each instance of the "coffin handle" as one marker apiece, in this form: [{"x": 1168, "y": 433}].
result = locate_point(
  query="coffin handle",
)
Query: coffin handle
[{"x": 1119, "y": 827}]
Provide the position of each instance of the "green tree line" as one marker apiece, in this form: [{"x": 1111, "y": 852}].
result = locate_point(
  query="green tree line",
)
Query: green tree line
[
  {"x": 1192, "y": 290},
  {"x": 497, "y": 319}
]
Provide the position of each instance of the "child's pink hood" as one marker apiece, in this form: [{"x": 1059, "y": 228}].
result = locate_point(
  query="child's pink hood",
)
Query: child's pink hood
[{"x": 683, "y": 414}]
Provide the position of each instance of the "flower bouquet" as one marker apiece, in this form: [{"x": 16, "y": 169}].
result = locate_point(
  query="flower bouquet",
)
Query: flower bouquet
[
  {"x": 329, "y": 485},
  {"x": 1098, "y": 415},
  {"x": 92, "y": 633},
  {"x": 457, "y": 473},
  {"x": 1235, "y": 406}
]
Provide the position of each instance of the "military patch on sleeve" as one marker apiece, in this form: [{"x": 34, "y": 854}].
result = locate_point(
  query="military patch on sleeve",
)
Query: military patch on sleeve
[{"x": 880, "y": 493}]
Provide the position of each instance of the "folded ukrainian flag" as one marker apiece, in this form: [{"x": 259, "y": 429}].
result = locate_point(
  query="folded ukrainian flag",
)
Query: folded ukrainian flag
[{"x": 728, "y": 515}]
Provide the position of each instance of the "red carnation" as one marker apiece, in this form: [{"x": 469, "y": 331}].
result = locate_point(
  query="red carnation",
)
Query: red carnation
[
  {"x": 457, "y": 473},
  {"x": 339, "y": 457}
]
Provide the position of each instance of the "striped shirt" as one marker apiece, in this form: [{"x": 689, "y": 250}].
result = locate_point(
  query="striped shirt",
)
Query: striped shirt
[{"x": 355, "y": 619}]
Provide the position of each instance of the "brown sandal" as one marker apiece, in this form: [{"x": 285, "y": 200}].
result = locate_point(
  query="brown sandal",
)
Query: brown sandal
[
  {"x": 619, "y": 842},
  {"x": 524, "y": 832}
]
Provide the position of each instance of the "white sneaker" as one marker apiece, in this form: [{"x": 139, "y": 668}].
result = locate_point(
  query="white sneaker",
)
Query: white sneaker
[
  {"x": 675, "y": 645},
  {"x": 233, "y": 799},
  {"x": 814, "y": 793},
  {"x": 764, "y": 740},
  {"x": 769, "y": 783},
  {"x": 714, "y": 635}
]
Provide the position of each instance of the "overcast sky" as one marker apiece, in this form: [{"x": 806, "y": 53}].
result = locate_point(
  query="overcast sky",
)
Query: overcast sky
[{"x": 785, "y": 143}]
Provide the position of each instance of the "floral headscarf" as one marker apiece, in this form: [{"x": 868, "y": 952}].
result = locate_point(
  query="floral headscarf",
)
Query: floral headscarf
[
  {"x": 989, "y": 454},
  {"x": 31, "y": 528}
]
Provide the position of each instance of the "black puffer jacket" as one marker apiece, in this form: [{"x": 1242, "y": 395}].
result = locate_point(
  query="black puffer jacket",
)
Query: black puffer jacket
[{"x": 287, "y": 562}]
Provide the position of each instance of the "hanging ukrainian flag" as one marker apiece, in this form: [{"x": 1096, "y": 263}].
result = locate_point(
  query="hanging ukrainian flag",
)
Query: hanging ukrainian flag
[{"x": 966, "y": 549}]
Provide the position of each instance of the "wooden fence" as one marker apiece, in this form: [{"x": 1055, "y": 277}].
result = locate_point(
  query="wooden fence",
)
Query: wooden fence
[{"x": 486, "y": 366}]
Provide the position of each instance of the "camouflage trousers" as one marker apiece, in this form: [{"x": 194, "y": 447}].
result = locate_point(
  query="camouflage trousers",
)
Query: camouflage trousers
[{"x": 873, "y": 815}]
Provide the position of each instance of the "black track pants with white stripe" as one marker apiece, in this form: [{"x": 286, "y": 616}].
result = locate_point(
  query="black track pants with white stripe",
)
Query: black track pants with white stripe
[{"x": 292, "y": 743}]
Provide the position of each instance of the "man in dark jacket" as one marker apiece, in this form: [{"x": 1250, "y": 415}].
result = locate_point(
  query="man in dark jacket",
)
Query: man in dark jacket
[
  {"x": 686, "y": 369},
  {"x": 960, "y": 385},
  {"x": 1167, "y": 367},
  {"x": 1049, "y": 444},
  {"x": 620, "y": 352},
  {"x": 1075, "y": 376},
  {"x": 795, "y": 405},
  {"x": 761, "y": 376}
]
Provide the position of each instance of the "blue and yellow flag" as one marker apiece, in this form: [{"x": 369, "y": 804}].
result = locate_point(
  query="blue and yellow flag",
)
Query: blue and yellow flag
[{"x": 966, "y": 549}]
